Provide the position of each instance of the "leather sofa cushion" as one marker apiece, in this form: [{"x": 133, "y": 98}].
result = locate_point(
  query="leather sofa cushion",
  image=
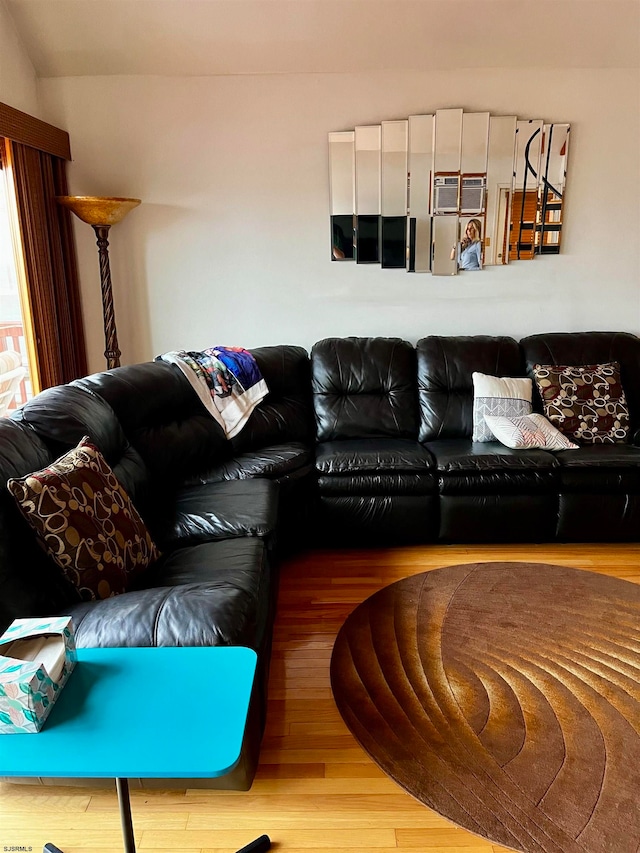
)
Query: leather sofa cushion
[
  {"x": 613, "y": 468},
  {"x": 364, "y": 388},
  {"x": 498, "y": 517},
  {"x": 21, "y": 450},
  {"x": 382, "y": 520},
  {"x": 580, "y": 348},
  {"x": 286, "y": 414},
  {"x": 466, "y": 467},
  {"x": 145, "y": 394},
  {"x": 454, "y": 456},
  {"x": 372, "y": 455},
  {"x": 31, "y": 583},
  {"x": 63, "y": 415},
  {"x": 445, "y": 384},
  {"x": 497, "y": 482},
  {"x": 584, "y": 518},
  {"x": 162, "y": 417},
  {"x": 399, "y": 483},
  {"x": 593, "y": 457},
  {"x": 213, "y": 594},
  {"x": 211, "y": 511},
  {"x": 279, "y": 462}
]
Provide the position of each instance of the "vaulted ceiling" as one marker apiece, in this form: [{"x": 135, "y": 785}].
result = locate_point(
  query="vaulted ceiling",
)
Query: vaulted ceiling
[{"x": 206, "y": 37}]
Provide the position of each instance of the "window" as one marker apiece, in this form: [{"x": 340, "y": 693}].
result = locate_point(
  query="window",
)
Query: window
[
  {"x": 16, "y": 386},
  {"x": 43, "y": 282}
]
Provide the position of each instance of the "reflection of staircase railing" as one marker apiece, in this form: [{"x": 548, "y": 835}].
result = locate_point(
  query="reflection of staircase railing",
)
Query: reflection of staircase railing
[{"x": 12, "y": 338}]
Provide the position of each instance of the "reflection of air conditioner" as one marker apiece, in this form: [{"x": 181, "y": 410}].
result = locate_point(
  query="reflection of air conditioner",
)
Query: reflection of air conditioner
[
  {"x": 472, "y": 195},
  {"x": 446, "y": 194}
]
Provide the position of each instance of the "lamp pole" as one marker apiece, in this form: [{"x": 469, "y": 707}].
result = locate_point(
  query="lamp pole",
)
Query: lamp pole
[
  {"x": 101, "y": 214},
  {"x": 112, "y": 352}
]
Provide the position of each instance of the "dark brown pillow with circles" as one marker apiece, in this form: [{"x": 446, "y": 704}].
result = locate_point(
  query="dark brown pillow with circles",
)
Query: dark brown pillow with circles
[
  {"x": 587, "y": 402},
  {"x": 86, "y": 522}
]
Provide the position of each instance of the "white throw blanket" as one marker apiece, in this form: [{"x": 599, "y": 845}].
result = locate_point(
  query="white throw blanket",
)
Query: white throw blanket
[{"x": 227, "y": 381}]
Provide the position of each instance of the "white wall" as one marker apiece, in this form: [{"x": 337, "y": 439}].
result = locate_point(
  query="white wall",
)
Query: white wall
[
  {"x": 231, "y": 243},
  {"x": 18, "y": 86}
]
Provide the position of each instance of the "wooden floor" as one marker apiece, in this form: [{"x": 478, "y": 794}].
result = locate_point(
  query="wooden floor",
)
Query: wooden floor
[{"x": 315, "y": 789}]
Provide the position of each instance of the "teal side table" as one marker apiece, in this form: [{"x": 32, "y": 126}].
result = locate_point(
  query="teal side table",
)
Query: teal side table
[{"x": 142, "y": 712}]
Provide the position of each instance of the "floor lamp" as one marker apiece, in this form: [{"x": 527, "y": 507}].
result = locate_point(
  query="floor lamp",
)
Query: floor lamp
[{"x": 101, "y": 214}]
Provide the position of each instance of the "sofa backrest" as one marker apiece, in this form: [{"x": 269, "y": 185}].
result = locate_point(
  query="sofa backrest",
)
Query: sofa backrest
[
  {"x": 31, "y": 584},
  {"x": 581, "y": 348},
  {"x": 445, "y": 383},
  {"x": 162, "y": 418},
  {"x": 286, "y": 414},
  {"x": 167, "y": 424},
  {"x": 364, "y": 388},
  {"x": 62, "y": 415}
]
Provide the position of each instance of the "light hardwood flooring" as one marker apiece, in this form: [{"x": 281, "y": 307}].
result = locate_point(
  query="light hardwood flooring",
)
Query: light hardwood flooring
[{"x": 315, "y": 790}]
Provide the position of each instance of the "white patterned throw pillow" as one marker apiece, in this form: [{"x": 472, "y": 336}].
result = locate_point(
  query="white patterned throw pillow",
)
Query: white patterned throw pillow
[
  {"x": 530, "y": 431},
  {"x": 498, "y": 396}
]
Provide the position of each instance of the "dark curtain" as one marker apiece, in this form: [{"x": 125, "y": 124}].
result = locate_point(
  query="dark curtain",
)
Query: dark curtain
[{"x": 50, "y": 263}]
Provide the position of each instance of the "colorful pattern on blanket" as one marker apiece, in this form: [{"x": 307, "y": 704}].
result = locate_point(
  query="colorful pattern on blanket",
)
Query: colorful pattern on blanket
[
  {"x": 225, "y": 367},
  {"x": 227, "y": 380}
]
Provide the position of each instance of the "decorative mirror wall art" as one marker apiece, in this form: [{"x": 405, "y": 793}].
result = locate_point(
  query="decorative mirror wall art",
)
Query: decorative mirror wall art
[{"x": 447, "y": 192}]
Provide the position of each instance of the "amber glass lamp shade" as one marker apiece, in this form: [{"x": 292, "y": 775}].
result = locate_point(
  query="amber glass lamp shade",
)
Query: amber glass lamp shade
[{"x": 98, "y": 211}]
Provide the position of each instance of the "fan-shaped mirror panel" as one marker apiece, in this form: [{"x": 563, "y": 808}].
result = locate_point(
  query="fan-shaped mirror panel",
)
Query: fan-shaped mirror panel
[
  {"x": 553, "y": 176},
  {"x": 368, "y": 172},
  {"x": 394, "y": 193},
  {"x": 419, "y": 181},
  {"x": 342, "y": 171}
]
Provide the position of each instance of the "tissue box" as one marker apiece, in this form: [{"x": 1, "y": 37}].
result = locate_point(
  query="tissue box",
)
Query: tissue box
[{"x": 28, "y": 688}]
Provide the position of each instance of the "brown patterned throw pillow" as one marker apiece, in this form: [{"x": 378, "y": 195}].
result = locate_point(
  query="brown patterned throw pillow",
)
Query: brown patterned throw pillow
[
  {"x": 587, "y": 403},
  {"x": 86, "y": 522}
]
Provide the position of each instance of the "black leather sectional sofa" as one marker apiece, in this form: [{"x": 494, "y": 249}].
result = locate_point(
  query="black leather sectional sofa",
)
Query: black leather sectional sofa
[
  {"x": 362, "y": 441},
  {"x": 396, "y": 463},
  {"x": 217, "y": 510}
]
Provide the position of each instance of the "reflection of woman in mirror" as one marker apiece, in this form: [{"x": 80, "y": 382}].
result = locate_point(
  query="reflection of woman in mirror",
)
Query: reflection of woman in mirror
[
  {"x": 468, "y": 252},
  {"x": 342, "y": 245}
]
